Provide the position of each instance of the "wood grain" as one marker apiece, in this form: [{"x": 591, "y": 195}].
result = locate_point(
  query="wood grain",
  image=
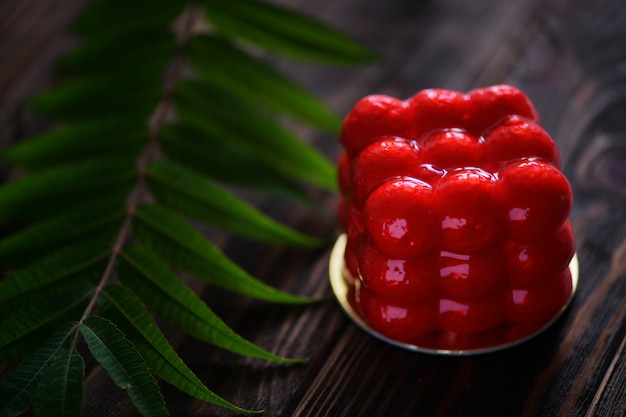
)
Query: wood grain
[{"x": 569, "y": 56}]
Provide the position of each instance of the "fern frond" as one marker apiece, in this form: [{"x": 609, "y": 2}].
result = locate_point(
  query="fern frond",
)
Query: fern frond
[
  {"x": 58, "y": 189},
  {"x": 73, "y": 266},
  {"x": 18, "y": 390},
  {"x": 283, "y": 31},
  {"x": 122, "y": 307},
  {"x": 254, "y": 80},
  {"x": 153, "y": 117},
  {"x": 60, "y": 390},
  {"x": 99, "y": 222},
  {"x": 31, "y": 325},
  {"x": 166, "y": 294},
  {"x": 124, "y": 364},
  {"x": 118, "y": 136},
  {"x": 175, "y": 241},
  {"x": 126, "y": 91},
  {"x": 217, "y": 114},
  {"x": 149, "y": 48},
  {"x": 191, "y": 195},
  {"x": 223, "y": 160}
]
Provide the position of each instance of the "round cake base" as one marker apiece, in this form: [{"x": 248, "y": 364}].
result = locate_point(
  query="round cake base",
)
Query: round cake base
[{"x": 439, "y": 343}]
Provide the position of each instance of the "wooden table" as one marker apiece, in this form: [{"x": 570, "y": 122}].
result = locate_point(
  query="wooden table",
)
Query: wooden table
[{"x": 569, "y": 56}]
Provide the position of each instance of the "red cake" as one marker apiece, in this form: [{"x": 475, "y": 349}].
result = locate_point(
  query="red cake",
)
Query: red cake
[{"x": 456, "y": 216}]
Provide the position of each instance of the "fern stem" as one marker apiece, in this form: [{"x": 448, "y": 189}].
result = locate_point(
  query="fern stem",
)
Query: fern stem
[{"x": 140, "y": 192}]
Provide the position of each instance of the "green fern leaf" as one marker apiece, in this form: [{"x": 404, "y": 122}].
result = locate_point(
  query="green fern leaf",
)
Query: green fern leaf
[
  {"x": 217, "y": 114},
  {"x": 32, "y": 324},
  {"x": 64, "y": 187},
  {"x": 124, "y": 364},
  {"x": 189, "y": 194},
  {"x": 149, "y": 48},
  {"x": 106, "y": 137},
  {"x": 88, "y": 223},
  {"x": 251, "y": 79},
  {"x": 18, "y": 390},
  {"x": 60, "y": 390},
  {"x": 164, "y": 293},
  {"x": 284, "y": 31},
  {"x": 69, "y": 268},
  {"x": 128, "y": 101},
  {"x": 213, "y": 156},
  {"x": 120, "y": 306},
  {"x": 182, "y": 246},
  {"x": 116, "y": 15},
  {"x": 127, "y": 91}
]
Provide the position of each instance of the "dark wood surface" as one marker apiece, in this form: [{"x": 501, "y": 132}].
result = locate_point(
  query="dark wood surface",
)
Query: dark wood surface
[{"x": 568, "y": 56}]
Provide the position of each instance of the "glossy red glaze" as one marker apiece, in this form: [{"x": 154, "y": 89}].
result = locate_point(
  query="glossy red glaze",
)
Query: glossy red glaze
[
  {"x": 372, "y": 117},
  {"x": 472, "y": 276},
  {"x": 343, "y": 212},
  {"x": 533, "y": 263},
  {"x": 399, "y": 219},
  {"x": 344, "y": 174},
  {"x": 403, "y": 322},
  {"x": 517, "y": 137},
  {"x": 471, "y": 316},
  {"x": 541, "y": 303},
  {"x": 537, "y": 199},
  {"x": 350, "y": 218},
  {"x": 436, "y": 109},
  {"x": 386, "y": 158},
  {"x": 402, "y": 280},
  {"x": 492, "y": 104},
  {"x": 429, "y": 173},
  {"x": 351, "y": 223},
  {"x": 456, "y": 215},
  {"x": 452, "y": 148},
  {"x": 468, "y": 204}
]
